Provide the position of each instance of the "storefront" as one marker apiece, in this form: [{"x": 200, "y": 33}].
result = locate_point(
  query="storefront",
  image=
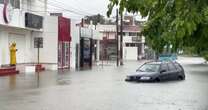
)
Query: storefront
[
  {"x": 20, "y": 27},
  {"x": 64, "y": 39},
  {"x": 22, "y": 35},
  {"x": 86, "y": 46}
]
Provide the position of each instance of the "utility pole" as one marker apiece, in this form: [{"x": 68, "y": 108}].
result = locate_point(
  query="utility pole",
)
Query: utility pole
[
  {"x": 45, "y": 7},
  {"x": 121, "y": 40},
  {"x": 117, "y": 40}
]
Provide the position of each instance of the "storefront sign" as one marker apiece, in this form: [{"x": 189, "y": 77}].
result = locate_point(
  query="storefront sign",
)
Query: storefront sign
[
  {"x": 33, "y": 21},
  {"x": 56, "y": 14},
  {"x": 38, "y": 42},
  {"x": 7, "y": 12}
]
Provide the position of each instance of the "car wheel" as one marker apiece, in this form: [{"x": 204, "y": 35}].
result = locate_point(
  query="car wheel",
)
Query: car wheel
[
  {"x": 180, "y": 78},
  {"x": 157, "y": 80}
]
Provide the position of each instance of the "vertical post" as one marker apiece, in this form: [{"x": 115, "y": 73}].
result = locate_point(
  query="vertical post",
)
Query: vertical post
[
  {"x": 80, "y": 46},
  {"x": 91, "y": 46},
  {"x": 117, "y": 61},
  {"x": 45, "y": 7},
  {"x": 98, "y": 50},
  {"x": 121, "y": 40},
  {"x": 38, "y": 54}
]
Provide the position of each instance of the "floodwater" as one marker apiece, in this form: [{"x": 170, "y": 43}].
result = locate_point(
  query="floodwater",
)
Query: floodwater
[{"x": 105, "y": 89}]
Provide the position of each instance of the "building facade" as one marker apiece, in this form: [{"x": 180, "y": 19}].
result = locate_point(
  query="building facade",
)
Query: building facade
[
  {"x": 20, "y": 23},
  {"x": 133, "y": 41},
  {"x": 108, "y": 48}
]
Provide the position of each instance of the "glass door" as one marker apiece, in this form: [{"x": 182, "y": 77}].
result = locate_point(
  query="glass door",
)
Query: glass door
[{"x": 64, "y": 55}]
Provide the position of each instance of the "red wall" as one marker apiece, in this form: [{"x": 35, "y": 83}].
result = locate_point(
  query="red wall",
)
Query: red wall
[{"x": 64, "y": 29}]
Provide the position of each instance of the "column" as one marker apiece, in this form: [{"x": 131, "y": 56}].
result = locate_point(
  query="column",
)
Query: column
[
  {"x": 4, "y": 47},
  {"x": 0, "y": 50},
  {"x": 143, "y": 46},
  {"x": 98, "y": 50}
]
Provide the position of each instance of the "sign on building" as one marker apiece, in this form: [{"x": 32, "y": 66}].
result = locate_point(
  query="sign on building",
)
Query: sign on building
[
  {"x": 33, "y": 21},
  {"x": 38, "y": 42},
  {"x": 56, "y": 14}
]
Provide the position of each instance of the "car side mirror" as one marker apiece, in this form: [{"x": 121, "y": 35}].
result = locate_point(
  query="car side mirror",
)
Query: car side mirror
[{"x": 162, "y": 71}]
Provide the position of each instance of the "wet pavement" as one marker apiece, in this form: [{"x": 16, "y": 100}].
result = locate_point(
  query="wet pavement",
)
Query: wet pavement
[{"x": 105, "y": 89}]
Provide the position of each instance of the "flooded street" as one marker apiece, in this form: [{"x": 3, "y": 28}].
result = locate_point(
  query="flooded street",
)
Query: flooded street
[{"x": 105, "y": 89}]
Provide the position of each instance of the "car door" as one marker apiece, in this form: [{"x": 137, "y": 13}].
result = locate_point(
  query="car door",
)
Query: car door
[
  {"x": 172, "y": 71},
  {"x": 180, "y": 71},
  {"x": 164, "y": 74}
]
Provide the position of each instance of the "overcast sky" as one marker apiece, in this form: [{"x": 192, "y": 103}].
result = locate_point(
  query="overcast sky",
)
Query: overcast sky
[
  {"x": 77, "y": 9},
  {"x": 85, "y": 7}
]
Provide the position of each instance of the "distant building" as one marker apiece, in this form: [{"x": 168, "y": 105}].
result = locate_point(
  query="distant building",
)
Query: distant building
[
  {"x": 108, "y": 42},
  {"x": 133, "y": 41}
]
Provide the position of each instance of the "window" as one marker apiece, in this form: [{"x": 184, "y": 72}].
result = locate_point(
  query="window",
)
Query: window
[
  {"x": 135, "y": 39},
  {"x": 124, "y": 34},
  {"x": 164, "y": 67},
  {"x": 171, "y": 67},
  {"x": 127, "y": 44},
  {"x": 132, "y": 34},
  {"x": 149, "y": 68},
  {"x": 178, "y": 66},
  {"x": 15, "y": 3},
  {"x": 139, "y": 34},
  {"x": 132, "y": 45}
]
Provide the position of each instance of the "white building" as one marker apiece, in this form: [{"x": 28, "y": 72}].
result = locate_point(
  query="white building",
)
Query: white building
[
  {"x": 24, "y": 20},
  {"x": 20, "y": 22},
  {"x": 108, "y": 43},
  {"x": 133, "y": 43}
]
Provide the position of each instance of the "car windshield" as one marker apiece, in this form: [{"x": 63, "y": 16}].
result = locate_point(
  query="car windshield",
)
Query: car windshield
[{"x": 149, "y": 68}]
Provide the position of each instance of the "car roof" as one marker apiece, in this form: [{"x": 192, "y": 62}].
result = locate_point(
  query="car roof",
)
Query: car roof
[
  {"x": 158, "y": 62},
  {"x": 154, "y": 63}
]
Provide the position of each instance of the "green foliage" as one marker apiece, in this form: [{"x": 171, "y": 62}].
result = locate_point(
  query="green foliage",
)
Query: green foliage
[
  {"x": 206, "y": 57},
  {"x": 95, "y": 19},
  {"x": 189, "y": 51},
  {"x": 181, "y": 23}
]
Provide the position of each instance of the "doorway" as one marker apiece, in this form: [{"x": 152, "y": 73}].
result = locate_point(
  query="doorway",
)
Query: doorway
[{"x": 64, "y": 55}]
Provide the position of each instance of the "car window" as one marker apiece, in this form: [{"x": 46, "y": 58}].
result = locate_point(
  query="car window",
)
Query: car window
[
  {"x": 149, "y": 68},
  {"x": 164, "y": 67},
  {"x": 178, "y": 67},
  {"x": 171, "y": 67}
]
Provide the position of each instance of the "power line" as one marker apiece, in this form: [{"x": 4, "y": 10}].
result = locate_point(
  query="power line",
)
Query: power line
[
  {"x": 56, "y": 7},
  {"x": 71, "y": 11},
  {"x": 53, "y": 9},
  {"x": 81, "y": 11}
]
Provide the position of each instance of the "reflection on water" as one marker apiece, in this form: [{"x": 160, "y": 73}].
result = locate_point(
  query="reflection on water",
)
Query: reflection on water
[
  {"x": 38, "y": 79},
  {"x": 12, "y": 82}
]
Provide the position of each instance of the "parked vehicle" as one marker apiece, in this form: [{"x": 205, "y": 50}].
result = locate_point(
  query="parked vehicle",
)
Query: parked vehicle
[{"x": 158, "y": 71}]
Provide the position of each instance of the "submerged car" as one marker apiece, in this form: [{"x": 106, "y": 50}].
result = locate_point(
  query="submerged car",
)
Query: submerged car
[{"x": 158, "y": 71}]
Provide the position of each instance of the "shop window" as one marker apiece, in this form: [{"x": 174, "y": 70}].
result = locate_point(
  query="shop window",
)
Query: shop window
[{"x": 15, "y": 3}]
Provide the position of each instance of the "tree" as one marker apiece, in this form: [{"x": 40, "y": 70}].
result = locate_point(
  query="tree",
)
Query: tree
[
  {"x": 95, "y": 19},
  {"x": 180, "y": 23}
]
